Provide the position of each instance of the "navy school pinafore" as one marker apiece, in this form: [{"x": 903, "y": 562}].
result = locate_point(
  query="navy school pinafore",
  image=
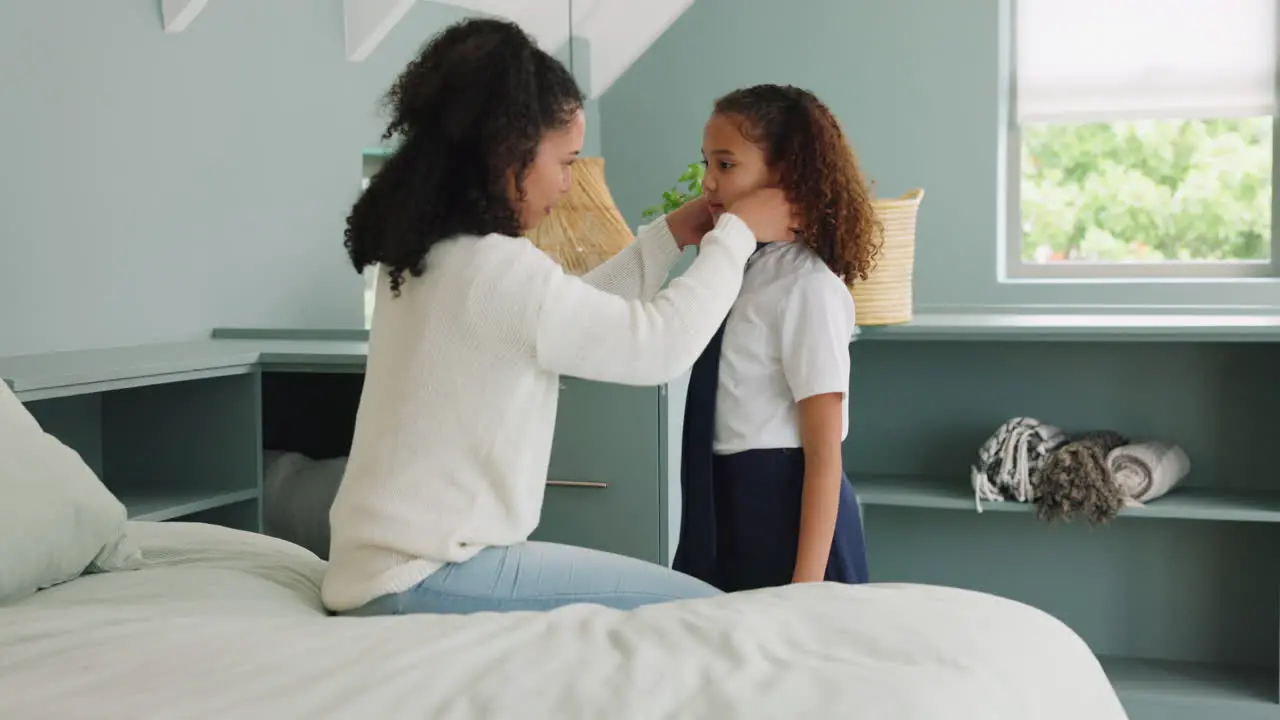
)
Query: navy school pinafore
[{"x": 740, "y": 514}]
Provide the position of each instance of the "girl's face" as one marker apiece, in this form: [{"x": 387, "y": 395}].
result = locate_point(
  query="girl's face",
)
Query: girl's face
[
  {"x": 551, "y": 174},
  {"x": 735, "y": 166}
]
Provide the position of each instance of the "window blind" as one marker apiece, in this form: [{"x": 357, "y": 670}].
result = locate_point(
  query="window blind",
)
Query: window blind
[{"x": 1102, "y": 60}]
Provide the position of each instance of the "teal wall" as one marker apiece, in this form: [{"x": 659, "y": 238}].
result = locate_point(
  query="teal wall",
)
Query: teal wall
[
  {"x": 157, "y": 186},
  {"x": 920, "y": 87}
]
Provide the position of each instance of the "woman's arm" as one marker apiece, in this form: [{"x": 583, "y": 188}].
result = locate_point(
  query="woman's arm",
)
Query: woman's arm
[
  {"x": 584, "y": 332},
  {"x": 817, "y": 325},
  {"x": 638, "y": 271}
]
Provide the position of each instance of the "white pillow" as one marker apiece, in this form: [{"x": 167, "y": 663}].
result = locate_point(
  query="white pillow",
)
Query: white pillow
[{"x": 57, "y": 519}]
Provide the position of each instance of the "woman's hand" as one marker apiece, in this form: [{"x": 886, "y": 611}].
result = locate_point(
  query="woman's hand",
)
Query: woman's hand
[
  {"x": 768, "y": 214},
  {"x": 691, "y": 221}
]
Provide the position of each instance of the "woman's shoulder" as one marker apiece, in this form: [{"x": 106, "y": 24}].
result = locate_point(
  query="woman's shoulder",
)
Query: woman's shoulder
[
  {"x": 493, "y": 244},
  {"x": 495, "y": 253},
  {"x": 499, "y": 271}
]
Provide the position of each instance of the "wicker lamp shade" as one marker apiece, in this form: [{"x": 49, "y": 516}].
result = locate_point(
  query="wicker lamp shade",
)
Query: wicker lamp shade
[{"x": 585, "y": 228}]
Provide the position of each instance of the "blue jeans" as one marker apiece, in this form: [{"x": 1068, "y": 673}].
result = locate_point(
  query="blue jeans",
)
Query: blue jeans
[{"x": 539, "y": 576}]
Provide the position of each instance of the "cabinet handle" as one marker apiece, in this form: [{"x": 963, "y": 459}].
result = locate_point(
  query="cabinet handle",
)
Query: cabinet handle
[{"x": 577, "y": 484}]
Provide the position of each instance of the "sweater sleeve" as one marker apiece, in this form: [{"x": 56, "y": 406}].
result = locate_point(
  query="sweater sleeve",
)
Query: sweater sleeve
[
  {"x": 641, "y": 268},
  {"x": 588, "y": 333}
]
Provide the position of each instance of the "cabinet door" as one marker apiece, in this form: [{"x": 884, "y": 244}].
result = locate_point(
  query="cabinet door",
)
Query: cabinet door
[{"x": 604, "y": 474}]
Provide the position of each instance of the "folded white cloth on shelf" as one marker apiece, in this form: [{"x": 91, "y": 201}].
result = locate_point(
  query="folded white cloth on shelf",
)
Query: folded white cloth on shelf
[
  {"x": 1147, "y": 470},
  {"x": 1009, "y": 459},
  {"x": 297, "y": 494}
]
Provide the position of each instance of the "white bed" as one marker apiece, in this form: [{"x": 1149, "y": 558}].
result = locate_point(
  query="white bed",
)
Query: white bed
[{"x": 220, "y": 623}]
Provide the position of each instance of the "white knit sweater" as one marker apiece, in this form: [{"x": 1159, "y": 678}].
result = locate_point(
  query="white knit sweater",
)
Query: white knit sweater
[{"x": 453, "y": 435}]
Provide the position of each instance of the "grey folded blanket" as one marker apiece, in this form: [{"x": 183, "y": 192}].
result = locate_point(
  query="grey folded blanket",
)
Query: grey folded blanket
[{"x": 1010, "y": 458}]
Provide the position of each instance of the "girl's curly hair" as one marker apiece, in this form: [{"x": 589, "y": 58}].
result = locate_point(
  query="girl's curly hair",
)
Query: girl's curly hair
[
  {"x": 470, "y": 109},
  {"x": 817, "y": 168}
]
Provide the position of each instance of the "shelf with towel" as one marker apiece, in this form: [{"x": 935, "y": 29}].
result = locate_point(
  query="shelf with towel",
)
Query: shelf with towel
[
  {"x": 1183, "y": 503},
  {"x": 1177, "y": 598}
]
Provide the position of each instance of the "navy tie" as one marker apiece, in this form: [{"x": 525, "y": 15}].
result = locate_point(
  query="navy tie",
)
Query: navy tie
[{"x": 696, "y": 551}]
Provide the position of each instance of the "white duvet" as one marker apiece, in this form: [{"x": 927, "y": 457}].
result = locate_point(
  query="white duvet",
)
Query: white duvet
[{"x": 224, "y": 624}]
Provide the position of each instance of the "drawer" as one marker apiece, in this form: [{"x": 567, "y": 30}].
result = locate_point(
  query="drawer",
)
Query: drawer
[{"x": 603, "y": 479}]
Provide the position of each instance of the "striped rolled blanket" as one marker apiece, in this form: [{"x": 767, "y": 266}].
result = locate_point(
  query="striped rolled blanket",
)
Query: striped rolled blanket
[
  {"x": 1147, "y": 470},
  {"x": 1010, "y": 458}
]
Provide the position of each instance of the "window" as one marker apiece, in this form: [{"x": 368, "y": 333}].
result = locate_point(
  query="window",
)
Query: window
[{"x": 1143, "y": 138}]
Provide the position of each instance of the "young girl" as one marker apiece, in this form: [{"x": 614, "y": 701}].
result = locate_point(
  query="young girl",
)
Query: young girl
[
  {"x": 766, "y": 501},
  {"x": 473, "y": 326}
]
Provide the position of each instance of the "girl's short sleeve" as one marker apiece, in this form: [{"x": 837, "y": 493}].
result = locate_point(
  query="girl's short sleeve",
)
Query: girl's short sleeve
[{"x": 817, "y": 325}]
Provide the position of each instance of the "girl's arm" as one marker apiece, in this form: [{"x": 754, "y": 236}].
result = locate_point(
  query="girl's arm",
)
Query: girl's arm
[
  {"x": 817, "y": 325},
  {"x": 820, "y": 430}
]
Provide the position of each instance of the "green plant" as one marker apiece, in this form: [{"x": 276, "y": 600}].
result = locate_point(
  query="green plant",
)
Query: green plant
[{"x": 675, "y": 197}]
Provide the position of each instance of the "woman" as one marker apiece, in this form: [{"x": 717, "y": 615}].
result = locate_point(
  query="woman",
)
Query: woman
[
  {"x": 473, "y": 324},
  {"x": 766, "y": 501}
]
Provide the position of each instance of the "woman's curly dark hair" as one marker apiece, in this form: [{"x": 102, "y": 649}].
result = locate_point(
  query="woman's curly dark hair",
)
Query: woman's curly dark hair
[
  {"x": 471, "y": 108},
  {"x": 804, "y": 143}
]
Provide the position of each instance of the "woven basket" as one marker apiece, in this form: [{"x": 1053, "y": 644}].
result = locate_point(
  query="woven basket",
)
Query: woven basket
[
  {"x": 585, "y": 228},
  {"x": 885, "y": 297}
]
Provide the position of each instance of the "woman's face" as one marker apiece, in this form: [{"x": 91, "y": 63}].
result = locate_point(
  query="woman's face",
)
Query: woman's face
[
  {"x": 551, "y": 174},
  {"x": 735, "y": 166}
]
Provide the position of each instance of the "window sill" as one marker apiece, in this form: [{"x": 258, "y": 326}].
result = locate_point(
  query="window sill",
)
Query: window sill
[
  {"x": 1141, "y": 280},
  {"x": 1076, "y": 326}
]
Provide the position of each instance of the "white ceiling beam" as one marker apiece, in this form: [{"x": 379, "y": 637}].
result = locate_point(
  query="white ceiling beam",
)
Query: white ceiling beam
[
  {"x": 548, "y": 28},
  {"x": 178, "y": 14},
  {"x": 505, "y": 8},
  {"x": 620, "y": 31},
  {"x": 617, "y": 32},
  {"x": 366, "y": 23},
  {"x": 547, "y": 21}
]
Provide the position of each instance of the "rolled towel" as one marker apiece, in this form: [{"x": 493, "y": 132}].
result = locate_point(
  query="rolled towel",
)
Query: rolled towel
[
  {"x": 1010, "y": 458},
  {"x": 1147, "y": 470},
  {"x": 297, "y": 494},
  {"x": 1076, "y": 479}
]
